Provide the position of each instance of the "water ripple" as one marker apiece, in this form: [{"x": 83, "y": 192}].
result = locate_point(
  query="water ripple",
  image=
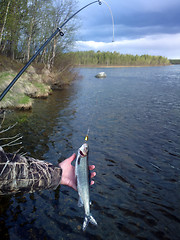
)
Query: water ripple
[{"x": 134, "y": 141}]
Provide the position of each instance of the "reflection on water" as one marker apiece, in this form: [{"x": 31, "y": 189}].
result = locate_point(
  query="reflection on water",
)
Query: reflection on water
[{"x": 134, "y": 121}]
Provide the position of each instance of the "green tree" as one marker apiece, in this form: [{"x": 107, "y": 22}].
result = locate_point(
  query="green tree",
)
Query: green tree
[
  {"x": 4, "y": 13},
  {"x": 26, "y": 24},
  {"x": 12, "y": 28},
  {"x": 115, "y": 58}
]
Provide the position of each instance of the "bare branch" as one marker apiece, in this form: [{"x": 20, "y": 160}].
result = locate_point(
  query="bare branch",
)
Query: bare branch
[
  {"x": 6, "y": 162},
  {"x": 4, "y": 113},
  {"x": 13, "y": 143},
  {"x": 7, "y": 129},
  {"x": 9, "y": 138},
  {"x": 23, "y": 154},
  {"x": 17, "y": 152}
]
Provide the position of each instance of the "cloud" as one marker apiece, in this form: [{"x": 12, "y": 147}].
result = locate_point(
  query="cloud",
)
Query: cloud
[
  {"x": 160, "y": 44},
  {"x": 131, "y": 14},
  {"x": 141, "y": 27}
]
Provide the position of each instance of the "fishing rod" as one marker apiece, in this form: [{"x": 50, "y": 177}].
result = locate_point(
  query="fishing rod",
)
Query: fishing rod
[{"x": 58, "y": 30}]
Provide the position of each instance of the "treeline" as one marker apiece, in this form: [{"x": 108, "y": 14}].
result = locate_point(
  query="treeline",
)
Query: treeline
[
  {"x": 174, "y": 61},
  {"x": 116, "y": 59},
  {"x": 26, "y": 24}
]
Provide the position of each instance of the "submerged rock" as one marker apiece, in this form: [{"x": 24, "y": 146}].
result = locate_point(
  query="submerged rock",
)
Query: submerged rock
[{"x": 101, "y": 75}]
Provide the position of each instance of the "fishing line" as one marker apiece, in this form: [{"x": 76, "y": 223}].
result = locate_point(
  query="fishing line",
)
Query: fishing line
[
  {"x": 58, "y": 30},
  {"x": 100, "y": 2},
  {"x": 111, "y": 17},
  {"x": 92, "y": 117}
]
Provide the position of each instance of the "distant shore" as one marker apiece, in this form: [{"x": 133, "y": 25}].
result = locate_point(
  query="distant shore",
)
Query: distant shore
[{"x": 115, "y": 66}]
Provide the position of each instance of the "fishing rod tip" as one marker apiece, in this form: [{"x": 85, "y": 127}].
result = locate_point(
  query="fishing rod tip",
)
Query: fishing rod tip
[{"x": 99, "y": 2}]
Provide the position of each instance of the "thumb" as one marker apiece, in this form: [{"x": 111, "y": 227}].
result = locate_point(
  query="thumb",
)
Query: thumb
[{"x": 71, "y": 158}]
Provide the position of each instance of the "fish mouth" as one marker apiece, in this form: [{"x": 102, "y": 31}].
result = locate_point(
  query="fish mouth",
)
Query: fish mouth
[
  {"x": 83, "y": 150},
  {"x": 82, "y": 154}
]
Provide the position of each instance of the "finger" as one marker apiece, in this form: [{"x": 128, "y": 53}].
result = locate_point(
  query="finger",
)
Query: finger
[
  {"x": 74, "y": 187},
  {"x": 68, "y": 160},
  {"x": 71, "y": 158},
  {"x": 92, "y": 182},
  {"x": 91, "y": 167},
  {"x": 93, "y": 174}
]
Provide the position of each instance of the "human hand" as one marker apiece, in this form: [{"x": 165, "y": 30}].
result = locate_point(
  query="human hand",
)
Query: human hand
[{"x": 68, "y": 172}]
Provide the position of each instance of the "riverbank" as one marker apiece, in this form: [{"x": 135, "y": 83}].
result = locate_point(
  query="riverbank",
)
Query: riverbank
[
  {"x": 29, "y": 86},
  {"x": 36, "y": 82}
]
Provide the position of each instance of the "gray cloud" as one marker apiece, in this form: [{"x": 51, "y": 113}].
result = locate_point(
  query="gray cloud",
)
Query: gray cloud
[
  {"x": 133, "y": 20},
  {"x": 163, "y": 15}
]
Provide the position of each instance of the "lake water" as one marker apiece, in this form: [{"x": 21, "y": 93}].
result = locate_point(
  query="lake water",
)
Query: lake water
[{"x": 134, "y": 141}]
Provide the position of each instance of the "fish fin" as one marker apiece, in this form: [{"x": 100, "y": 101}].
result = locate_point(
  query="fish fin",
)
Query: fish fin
[
  {"x": 80, "y": 202},
  {"x": 88, "y": 219},
  {"x": 92, "y": 220}
]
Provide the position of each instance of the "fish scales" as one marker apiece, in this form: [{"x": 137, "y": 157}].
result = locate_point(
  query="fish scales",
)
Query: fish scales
[{"x": 83, "y": 183}]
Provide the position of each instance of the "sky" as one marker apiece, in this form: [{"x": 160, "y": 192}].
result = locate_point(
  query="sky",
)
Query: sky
[{"x": 140, "y": 27}]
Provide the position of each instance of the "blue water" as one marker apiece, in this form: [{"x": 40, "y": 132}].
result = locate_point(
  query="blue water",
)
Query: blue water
[{"x": 134, "y": 140}]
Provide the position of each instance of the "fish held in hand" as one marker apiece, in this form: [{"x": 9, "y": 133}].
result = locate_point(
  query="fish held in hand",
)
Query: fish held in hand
[{"x": 83, "y": 182}]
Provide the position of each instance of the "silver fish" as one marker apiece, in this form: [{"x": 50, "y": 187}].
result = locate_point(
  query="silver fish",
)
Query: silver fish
[{"x": 83, "y": 183}]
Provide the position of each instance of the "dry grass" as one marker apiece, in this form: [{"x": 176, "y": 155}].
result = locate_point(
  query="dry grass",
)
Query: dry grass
[
  {"x": 28, "y": 86},
  {"x": 7, "y": 64},
  {"x": 35, "y": 82}
]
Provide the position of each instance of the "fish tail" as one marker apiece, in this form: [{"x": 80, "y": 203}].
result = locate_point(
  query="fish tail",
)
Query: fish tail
[{"x": 88, "y": 219}]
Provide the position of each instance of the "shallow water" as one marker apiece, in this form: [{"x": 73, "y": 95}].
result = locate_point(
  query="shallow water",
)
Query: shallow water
[{"x": 134, "y": 140}]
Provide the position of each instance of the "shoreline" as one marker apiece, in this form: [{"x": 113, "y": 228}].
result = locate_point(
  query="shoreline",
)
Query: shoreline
[
  {"x": 31, "y": 86},
  {"x": 118, "y": 66},
  {"x": 22, "y": 95}
]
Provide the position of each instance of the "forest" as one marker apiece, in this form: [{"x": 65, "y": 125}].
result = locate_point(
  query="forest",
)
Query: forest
[
  {"x": 26, "y": 24},
  {"x": 116, "y": 59},
  {"x": 174, "y": 61}
]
